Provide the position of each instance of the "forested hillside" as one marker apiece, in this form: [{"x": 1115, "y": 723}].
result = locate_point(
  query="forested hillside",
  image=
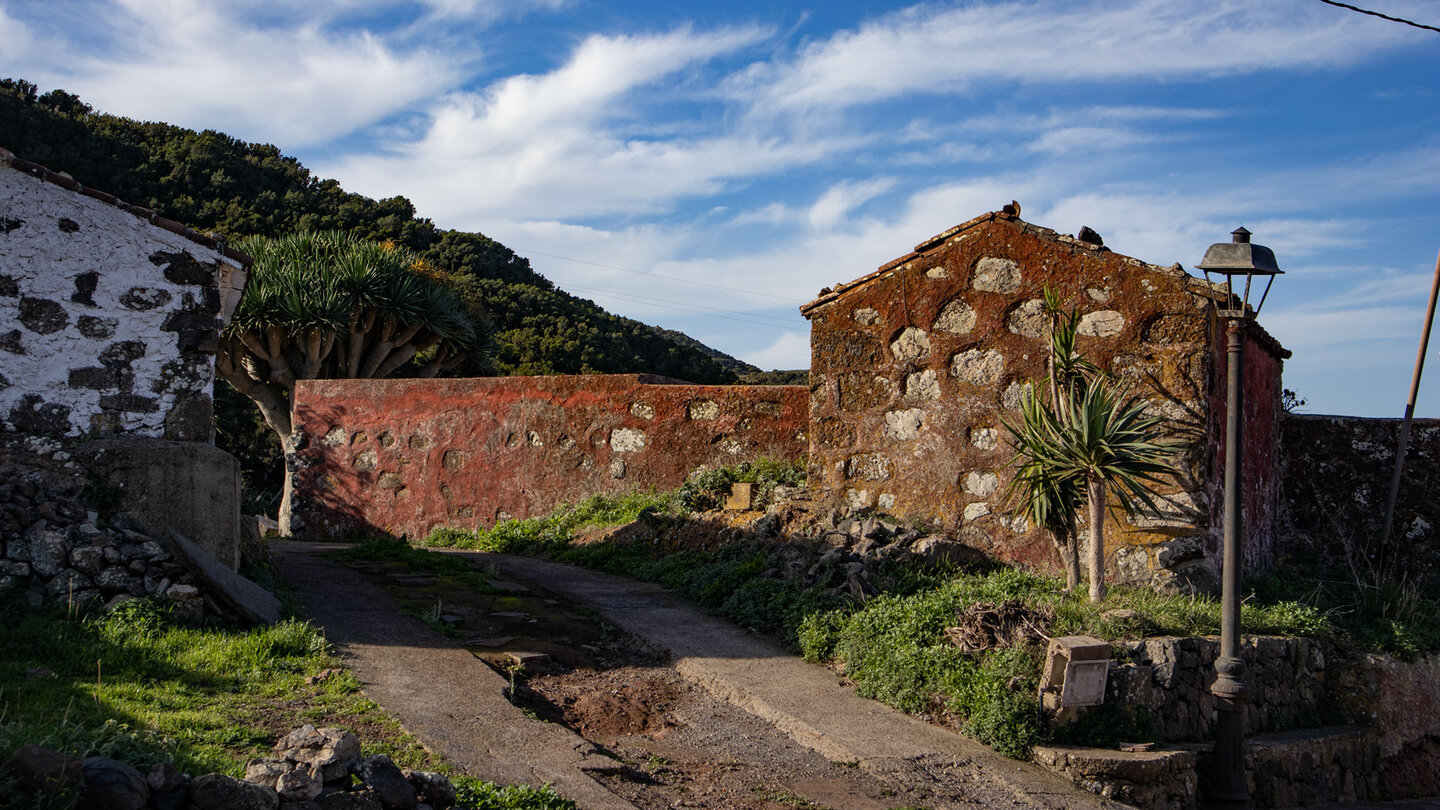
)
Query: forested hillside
[{"x": 213, "y": 182}]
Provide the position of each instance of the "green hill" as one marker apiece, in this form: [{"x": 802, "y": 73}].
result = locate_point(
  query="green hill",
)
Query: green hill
[{"x": 215, "y": 183}]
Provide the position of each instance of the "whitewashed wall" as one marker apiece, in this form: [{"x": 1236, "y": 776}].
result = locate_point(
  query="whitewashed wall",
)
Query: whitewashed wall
[{"x": 108, "y": 323}]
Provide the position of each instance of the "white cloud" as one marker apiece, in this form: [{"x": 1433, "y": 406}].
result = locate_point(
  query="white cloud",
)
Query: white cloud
[
  {"x": 840, "y": 199},
  {"x": 289, "y": 74},
  {"x": 561, "y": 144},
  {"x": 944, "y": 50},
  {"x": 789, "y": 351}
]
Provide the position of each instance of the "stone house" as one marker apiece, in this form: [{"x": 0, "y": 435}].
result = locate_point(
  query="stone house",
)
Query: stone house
[
  {"x": 109, "y": 314},
  {"x": 110, "y": 318},
  {"x": 917, "y": 366}
]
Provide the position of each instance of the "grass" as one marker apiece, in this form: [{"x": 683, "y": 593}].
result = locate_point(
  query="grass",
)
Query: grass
[{"x": 133, "y": 685}]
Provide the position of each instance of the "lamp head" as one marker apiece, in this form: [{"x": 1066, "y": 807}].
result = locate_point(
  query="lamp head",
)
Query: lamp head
[{"x": 1237, "y": 259}]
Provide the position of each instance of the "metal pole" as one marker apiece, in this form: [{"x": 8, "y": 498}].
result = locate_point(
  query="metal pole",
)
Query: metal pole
[
  {"x": 1385, "y": 554},
  {"x": 1229, "y": 786}
]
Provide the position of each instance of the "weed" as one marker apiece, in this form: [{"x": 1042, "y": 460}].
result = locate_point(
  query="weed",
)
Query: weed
[{"x": 474, "y": 793}]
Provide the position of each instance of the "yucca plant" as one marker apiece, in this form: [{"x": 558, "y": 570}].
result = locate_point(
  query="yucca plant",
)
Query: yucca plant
[
  {"x": 329, "y": 306},
  {"x": 1089, "y": 442}
]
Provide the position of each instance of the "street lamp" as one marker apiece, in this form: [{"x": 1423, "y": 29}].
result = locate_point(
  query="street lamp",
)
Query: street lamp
[{"x": 1233, "y": 260}]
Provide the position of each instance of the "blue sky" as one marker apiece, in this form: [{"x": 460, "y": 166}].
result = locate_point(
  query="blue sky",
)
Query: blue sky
[{"x": 710, "y": 166}]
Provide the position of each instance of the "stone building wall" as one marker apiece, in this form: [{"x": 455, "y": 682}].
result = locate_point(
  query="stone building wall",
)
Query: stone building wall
[
  {"x": 407, "y": 456},
  {"x": 916, "y": 366},
  {"x": 109, "y": 315}
]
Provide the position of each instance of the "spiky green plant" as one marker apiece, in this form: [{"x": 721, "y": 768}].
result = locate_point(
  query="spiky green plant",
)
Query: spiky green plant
[
  {"x": 1035, "y": 492},
  {"x": 1090, "y": 441},
  {"x": 1106, "y": 438},
  {"x": 330, "y": 305}
]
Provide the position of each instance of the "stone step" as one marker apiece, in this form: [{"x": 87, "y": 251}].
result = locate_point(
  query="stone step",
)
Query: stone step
[{"x": 1300, "y": 768}]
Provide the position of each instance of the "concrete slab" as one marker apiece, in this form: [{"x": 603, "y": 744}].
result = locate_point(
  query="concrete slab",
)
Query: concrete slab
[
  {"x": 437, "y": 690},
  {"x": 806, "y": 701},
  {"x": 251, "y": 601}
]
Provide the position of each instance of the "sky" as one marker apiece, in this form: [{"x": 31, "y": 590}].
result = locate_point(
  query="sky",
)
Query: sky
[{"x": 709, "y": 166}]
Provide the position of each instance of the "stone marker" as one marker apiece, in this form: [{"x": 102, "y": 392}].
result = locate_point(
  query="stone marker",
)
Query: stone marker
[
  {"x": 1076, "y": 671},
  {"x": 740, "y": 497}
]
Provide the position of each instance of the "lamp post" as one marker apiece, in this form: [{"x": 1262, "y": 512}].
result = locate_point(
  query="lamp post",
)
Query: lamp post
[{"x": 1233, "y": 260}]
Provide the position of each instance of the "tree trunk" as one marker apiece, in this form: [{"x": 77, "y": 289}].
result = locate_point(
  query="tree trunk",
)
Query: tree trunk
[
  {"x": 1070, "y": 557},
  {"x": 287, "y": 446},
  {"x": 1095, "y": 501}
]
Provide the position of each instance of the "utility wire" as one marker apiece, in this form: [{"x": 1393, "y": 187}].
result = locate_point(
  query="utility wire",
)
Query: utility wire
[
  {"x": 694, "y": 309},
  {"x": 523, "y": 251},
  {"x": 1381, "y": 16},
  {"x": 670, "y": 302}
]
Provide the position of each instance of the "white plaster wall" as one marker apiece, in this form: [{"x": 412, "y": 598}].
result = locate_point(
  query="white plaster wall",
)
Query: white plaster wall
[{"x": 44, "y": 261}]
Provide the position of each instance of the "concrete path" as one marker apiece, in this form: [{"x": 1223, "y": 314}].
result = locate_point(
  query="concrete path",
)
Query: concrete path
[
  {"x": 804, "y": 700},
  {"x": 438, "y": 691}
]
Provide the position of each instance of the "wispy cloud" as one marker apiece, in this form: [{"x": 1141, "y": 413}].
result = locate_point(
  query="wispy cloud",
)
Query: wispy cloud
[
  {"x": 283, "y": 73},
  {"x": 941, "y": 49}
]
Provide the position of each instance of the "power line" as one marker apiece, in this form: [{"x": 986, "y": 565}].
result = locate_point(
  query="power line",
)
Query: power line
[
  {"x": 668, "y": 302},
  {"x": 694, "y": 309},
  {"x": 1381, "y": 16},
  {"x": 523, "y": 251}
]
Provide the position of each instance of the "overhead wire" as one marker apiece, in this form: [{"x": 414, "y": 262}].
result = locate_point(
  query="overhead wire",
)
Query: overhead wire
[
  {"x": 697, "y": 309},
  {"x": 1400, "y": 20},
  {"x": 526, "y": 252}
]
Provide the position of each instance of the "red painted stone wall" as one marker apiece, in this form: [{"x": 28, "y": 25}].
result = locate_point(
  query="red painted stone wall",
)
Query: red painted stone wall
[
  {"x": 407, "y": 456},
  {"x": 1260, "y": 445},
  {"x": 916, "y": 367}
]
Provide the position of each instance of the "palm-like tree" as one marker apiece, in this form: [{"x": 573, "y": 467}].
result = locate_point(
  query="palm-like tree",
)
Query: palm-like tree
[
  {"x": 329, "y": 306},
  {"x": 1107, "y": 439},
  {"x": 1035, "y": 492},
  {"x": 1089, "y": 442}
]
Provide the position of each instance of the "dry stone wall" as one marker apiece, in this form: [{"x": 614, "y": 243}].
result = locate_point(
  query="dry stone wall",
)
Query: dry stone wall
[
  {"x": 108, "y": 322},
  {"x": 1337, "y": 471},
  {"x": 916, "y": 368},
  {"x": 408, "y": 456},
  {"x": 54, "y": 546}
]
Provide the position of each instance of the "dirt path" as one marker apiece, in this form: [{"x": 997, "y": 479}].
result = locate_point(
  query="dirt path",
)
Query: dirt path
[{"x": 699, "y": 715}]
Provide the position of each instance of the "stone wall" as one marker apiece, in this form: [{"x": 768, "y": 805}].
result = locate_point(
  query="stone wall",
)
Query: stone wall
[
  {"x": 54, "y": 546},
  {"x": 916, "y": 367},
  {"x": 407, "y": 456},
  {"x": 109, "y": 316},
  {"x": 1336, "y": 472},
  {"x": 1170, "y": 678}
]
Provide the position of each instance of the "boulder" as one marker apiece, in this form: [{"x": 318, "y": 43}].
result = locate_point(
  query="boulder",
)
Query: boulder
[
  {"x": 36, "y": 768},
  {"x": 112, "y": 785},
  {"x": 434, "y": 789},
  {"x": 216, "y": 791},
  {"x": 350, "y": 800},
  {"x": 169, "y": 788},
  {"x": 331, "y": 751},
  {"x": 389, "y": 783}
]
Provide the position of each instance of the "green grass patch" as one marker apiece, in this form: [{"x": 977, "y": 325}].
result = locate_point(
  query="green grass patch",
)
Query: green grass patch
[
  {"x": 133, "y": 685},
  {"x": 481, "y": 795}
]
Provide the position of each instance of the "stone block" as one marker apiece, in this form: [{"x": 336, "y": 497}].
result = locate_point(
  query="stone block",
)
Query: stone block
[{"x": 740, "y": 495}]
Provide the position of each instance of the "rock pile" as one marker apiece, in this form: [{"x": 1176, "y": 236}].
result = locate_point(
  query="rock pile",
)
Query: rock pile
[
  {"x": 860, "y": 539},
  {"x": 55, "y": 548},
  {"x": 312, "y": 769}
]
